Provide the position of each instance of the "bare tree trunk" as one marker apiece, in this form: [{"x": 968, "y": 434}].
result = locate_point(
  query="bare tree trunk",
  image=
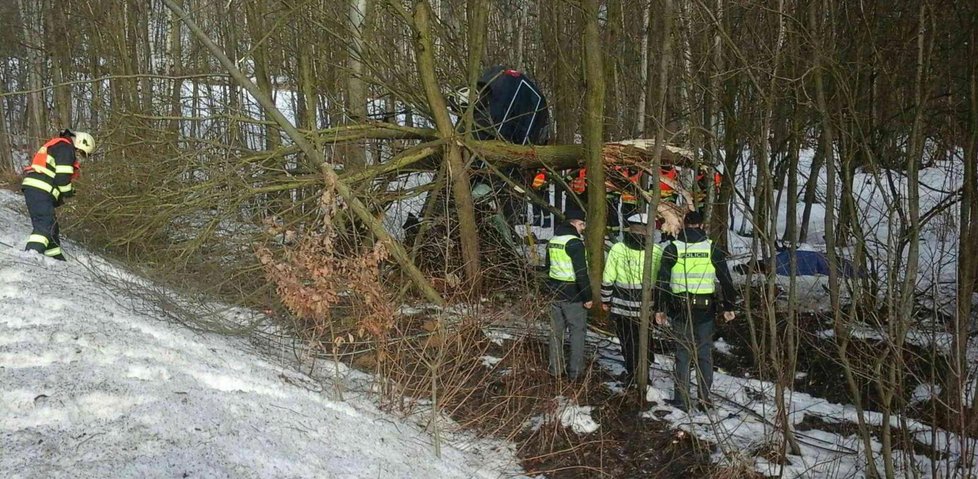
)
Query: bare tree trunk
[
  {"x": 237, "y": 134},
  {"x": 564, "y": 52},
  {"x": 898, "y": 324},
  {"x": 7, "y": 165},
  {"x": 811, "y": 190},
  {"x": 357, "y": 206},
  {"x": 593, "y": 126},
  {"x": 968, "y": 250},
  {"x": 256, "y": 29},
  {"x": 94, "y": 70},
  {"x": 662, "y": 91},
  {"x": 145, "y": 57},
  {"x": 610, "y": 55},
  {"x": 766, "y": 229},
  {"x": 477, "y": 13},
  {"x": 824, "y": 48},
  {"x": 689, "y": 121},
  {"x": 643, "y": 71},
  {"x": 794, "y": 151},
  {"x": 57, "y": 43},
  {"x": 458, "y": 170},
  {"x": 356, "y": 88},
  {"x": 521, "y": 33},
  {"x": 175, "y": 70},
  {"x": 718, "y": 217},
  {"x": 307, "y": 82},
  {"x": 30, "y": 13}
]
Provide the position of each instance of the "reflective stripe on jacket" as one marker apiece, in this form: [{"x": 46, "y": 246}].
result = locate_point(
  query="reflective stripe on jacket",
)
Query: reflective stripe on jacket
[
  {"x": 694, "y": 272},
  {"x": 43, "y": 162},
  {"x": 52, "y": 168},
  {"x": 621, "y": 285}
]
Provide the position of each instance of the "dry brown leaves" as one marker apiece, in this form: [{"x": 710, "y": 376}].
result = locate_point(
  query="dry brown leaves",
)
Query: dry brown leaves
[{"x": 315, "y": 282}]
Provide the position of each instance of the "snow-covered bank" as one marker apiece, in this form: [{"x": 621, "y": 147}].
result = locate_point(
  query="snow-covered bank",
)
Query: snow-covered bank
[
  {"x": 742, "y": 426},
  {"x": 89, "y": 388}
]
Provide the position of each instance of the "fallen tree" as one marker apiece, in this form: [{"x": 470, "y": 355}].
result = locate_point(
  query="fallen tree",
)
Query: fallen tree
[{"x": 314, "y": 170}]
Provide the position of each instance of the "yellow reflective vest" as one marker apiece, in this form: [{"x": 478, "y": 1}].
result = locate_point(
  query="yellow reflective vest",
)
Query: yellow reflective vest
[
  {"x": 694, "y": 272},
  {"x": 561, "y": 266},
  {"x": 621, "y": 284}
]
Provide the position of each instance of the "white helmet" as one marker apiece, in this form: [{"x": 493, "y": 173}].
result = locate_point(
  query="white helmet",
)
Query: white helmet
[
  {"x": 462, "y": 97},
  {"x": 639, "y": 219},
  {"x": 84, "y": 142}
]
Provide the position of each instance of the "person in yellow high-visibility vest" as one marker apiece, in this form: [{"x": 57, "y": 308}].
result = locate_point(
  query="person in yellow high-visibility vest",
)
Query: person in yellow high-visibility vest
[
  {"x": 568, "y": 280},
  {"x": 691, "y": 267},
  {"x": 47, "y": 182},
  {"x": 621, "y": 288}
]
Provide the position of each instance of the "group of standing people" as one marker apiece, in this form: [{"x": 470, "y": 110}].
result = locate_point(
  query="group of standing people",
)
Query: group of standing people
[{"x": 685, "y": 273}]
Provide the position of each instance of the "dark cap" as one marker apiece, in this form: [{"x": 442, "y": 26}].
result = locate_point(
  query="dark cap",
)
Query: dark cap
[
  {"x": 574, "y": 214},
  {"x": 694, "y": 218}
]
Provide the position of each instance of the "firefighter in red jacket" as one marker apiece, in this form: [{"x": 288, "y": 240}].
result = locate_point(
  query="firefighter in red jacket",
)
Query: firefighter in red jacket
[{"x": 46, "y": 185}]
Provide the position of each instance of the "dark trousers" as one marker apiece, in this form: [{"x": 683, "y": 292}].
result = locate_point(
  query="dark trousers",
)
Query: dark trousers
[
  {"x": 628, "y": 329},
  {"x": 45, "y": 235},
  {"x": 567, "y": 320},
  {"x": 693, "y": 332}
]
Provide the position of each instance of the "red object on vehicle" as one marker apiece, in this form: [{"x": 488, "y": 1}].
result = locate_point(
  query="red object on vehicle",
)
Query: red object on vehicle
[
  {"x": 539, "y": 179},
  {"x": 671, "y": 173},
  {"x": 579, "y": 183},
  {"x": 717, "y": 178},
  {"x": 633, "y": 177}
]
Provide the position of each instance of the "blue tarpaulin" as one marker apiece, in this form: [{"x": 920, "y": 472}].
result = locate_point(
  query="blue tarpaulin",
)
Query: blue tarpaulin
[{"x": 810, "y": 263}]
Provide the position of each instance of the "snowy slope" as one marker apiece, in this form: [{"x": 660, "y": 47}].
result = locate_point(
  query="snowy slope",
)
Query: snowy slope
[
  {"x": 746, "y": 413},
  {"x": 89, "y": 388}
]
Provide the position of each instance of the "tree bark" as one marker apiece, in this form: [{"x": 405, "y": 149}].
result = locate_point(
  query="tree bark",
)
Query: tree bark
[
  {"x": 611, "y": 52},
  {"x": 825, "y": 49},
  {"x": 175, "y": 69},
  {"x": 38, "y": 125},
  {"x": 811, "y": 190},
  {"x": 7, "y": 165},
  {"x": 477, "y": 13},
  {"x": 563, "y": 50},
  {"x": 968, "y": 239},
  {"x": 356, "y": 157},
  {"x": 256, "y": 29},
  {"x": 794, "y": 151},
  {"x": 639, "y": 131},
  {"x": 57, "y": 43},
  {"x": 593, "y": 127},
  {"x": 662, "y": 89},
  {"x": 458, "y": 170}
]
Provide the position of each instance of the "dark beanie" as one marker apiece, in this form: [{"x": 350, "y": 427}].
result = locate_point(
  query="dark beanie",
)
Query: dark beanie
[
  {"x": 574, "y": 214},
  {"x": 694, "y": 218}
]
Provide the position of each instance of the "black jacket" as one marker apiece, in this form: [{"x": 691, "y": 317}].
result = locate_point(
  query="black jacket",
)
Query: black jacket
[
  {"x": 64, "y": 155},
  {"x": 717, "y": 256},
  {"x": 580, "y": 290}
]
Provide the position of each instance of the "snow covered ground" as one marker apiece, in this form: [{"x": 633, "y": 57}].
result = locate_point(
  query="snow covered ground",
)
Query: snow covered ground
[
  {"x": 91, "y": 388},
  {"x": 743, "y": 423},
  {"x": 878, "y": 195}
]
